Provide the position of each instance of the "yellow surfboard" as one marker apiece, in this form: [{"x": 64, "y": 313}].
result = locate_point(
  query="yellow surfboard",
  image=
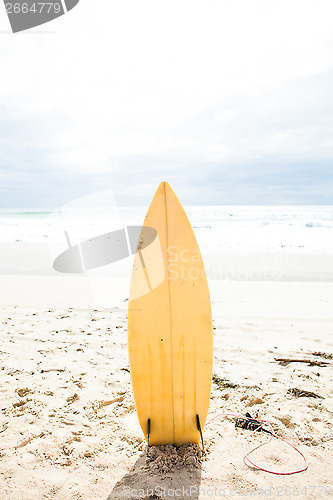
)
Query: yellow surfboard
[{"x": 170, "y": 336}]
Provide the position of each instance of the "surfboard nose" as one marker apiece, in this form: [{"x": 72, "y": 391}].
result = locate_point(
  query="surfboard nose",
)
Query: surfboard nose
[{"x": 165, "y": 186}]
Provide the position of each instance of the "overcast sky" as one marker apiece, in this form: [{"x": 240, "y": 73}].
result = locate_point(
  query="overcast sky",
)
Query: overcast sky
[{"x": 230, "y": 101}]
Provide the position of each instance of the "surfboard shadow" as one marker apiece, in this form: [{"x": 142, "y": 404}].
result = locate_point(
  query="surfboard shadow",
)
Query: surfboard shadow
[{"x": 162, "y": 472}]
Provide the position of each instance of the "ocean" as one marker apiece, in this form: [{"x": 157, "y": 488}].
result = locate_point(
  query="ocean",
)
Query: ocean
[{"x": 237, "y": 242}]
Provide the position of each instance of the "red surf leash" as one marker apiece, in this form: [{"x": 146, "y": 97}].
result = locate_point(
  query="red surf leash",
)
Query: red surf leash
[{"x": 256, "y": 425}]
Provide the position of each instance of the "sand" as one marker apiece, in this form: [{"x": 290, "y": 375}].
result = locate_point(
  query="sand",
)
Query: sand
[{"x": 68, "y": 428}]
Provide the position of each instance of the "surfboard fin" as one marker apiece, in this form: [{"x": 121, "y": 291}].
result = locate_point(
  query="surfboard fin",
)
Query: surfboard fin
[
  {"x": 148, "y": 429},
  {"x": 200, "y": 430}
]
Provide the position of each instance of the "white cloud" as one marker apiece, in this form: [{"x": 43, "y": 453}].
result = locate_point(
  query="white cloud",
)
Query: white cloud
[{"x": 190, "y": 81}]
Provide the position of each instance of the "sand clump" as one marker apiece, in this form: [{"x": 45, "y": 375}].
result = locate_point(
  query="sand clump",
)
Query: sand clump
[
  {"x": 166, "y": 458},
  {"x": 162, "y": 472}
]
